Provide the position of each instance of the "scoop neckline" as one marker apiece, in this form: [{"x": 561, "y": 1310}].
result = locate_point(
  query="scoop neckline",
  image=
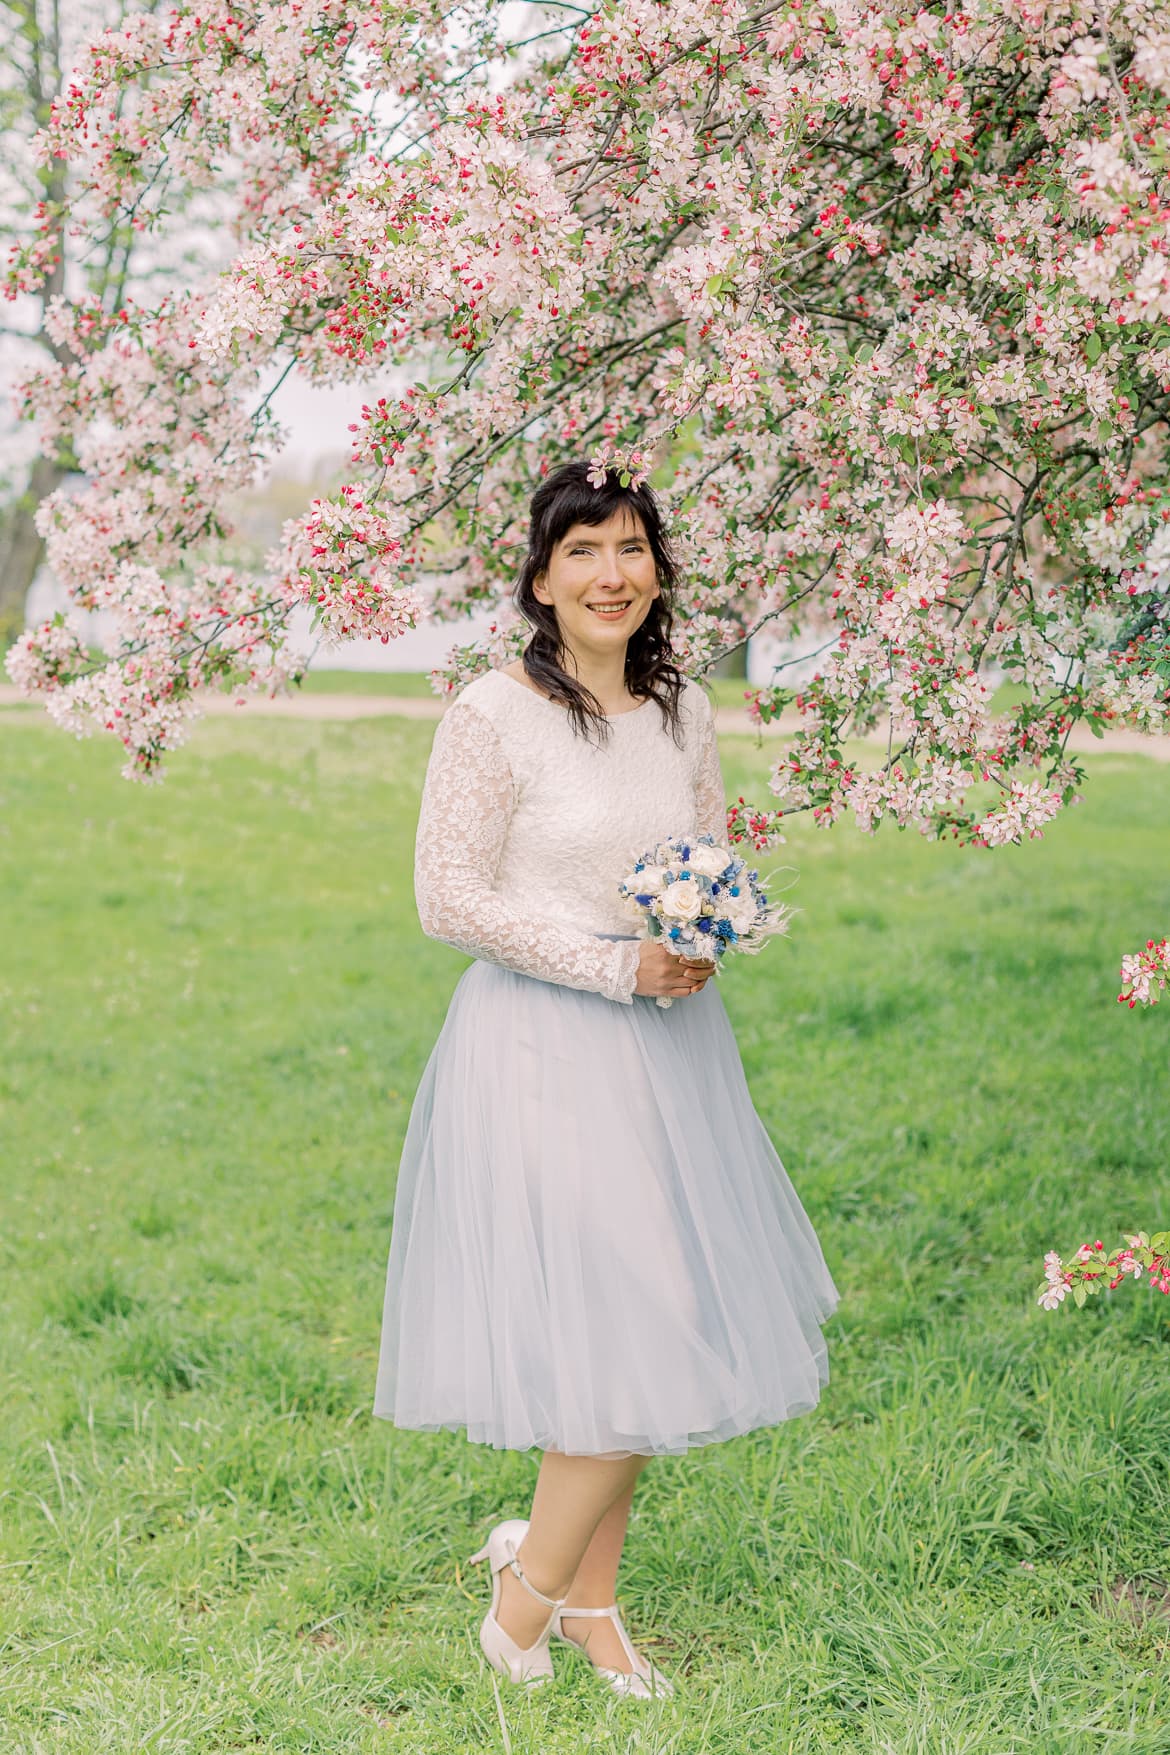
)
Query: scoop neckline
[{"x": 536, "y": 695}]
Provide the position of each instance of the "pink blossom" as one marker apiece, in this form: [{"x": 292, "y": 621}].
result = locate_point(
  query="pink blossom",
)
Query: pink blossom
[
  {"x": 1144, "y": 974},
  {"x": 1093, "y": 1270}
]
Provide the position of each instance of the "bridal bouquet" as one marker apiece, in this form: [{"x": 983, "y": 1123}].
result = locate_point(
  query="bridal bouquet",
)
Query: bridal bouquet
[{"x": 700, "y": 900}]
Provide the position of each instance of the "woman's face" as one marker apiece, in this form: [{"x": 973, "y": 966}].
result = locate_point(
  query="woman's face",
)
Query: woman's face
[{"x": 601, "y": 580}]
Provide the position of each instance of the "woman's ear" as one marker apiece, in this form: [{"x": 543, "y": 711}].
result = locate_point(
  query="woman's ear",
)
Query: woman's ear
[{"x": 539, "y": 588}]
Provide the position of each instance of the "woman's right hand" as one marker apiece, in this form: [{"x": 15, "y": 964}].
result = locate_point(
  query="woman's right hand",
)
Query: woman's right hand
[{"x": 664, "y": 975}]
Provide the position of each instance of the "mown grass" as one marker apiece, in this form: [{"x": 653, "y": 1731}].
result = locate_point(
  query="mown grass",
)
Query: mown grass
[
  {"x": 216, "y": 1007},
  {"x": 366, "y": 682},
  {"x": 728, "y": 691}
]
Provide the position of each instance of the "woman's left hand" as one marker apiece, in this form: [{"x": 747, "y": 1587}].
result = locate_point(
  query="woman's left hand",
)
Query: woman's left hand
[{"x": 698, "y": 971}]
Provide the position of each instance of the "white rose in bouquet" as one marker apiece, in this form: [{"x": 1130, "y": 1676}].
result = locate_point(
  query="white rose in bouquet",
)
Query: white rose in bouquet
[
  {"x": 650, "y": 881},
  {"x": 682, "y": 900},
  {"x": 708, "y": 861},
  {"x": 742, "y": 911}
]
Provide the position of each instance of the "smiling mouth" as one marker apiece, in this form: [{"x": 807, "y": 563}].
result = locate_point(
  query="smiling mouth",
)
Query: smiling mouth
[{"x": 609, "y": 612}]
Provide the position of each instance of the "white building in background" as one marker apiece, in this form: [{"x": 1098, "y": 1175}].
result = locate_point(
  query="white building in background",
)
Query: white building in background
[
  {"x": 421, "y": 648},
  {"x": 799, "y": 659}
]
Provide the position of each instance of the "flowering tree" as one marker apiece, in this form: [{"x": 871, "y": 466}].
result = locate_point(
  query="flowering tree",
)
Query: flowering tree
[{"x": 881, "y": 295}]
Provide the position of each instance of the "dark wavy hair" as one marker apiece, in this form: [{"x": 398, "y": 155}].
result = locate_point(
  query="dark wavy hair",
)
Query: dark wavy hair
[{"x": 565, "y": 498}]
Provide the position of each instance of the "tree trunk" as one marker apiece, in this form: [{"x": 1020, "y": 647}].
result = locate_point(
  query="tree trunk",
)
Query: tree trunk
[{"x": 21, "y": 546}]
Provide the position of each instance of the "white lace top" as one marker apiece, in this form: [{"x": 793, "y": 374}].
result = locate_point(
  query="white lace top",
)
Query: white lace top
[{"x": 526, "y": 827}]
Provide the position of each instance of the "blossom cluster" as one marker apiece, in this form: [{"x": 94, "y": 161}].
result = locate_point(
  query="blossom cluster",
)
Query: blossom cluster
[
  {"x": 1091, "y": 1270},
  {"x": 342, "y": 559},
  {"x": 878, "y": 297},
  {"x": 1144, "y": 974}
]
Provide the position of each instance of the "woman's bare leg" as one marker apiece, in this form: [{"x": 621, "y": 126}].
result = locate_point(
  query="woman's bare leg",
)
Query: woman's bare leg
[
  {"x": 595, "y": 1586},
  {"x": 573, "y": 1495}
]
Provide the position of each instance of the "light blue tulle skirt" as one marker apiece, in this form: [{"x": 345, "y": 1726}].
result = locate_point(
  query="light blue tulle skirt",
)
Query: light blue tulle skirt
[{"x": 595, "y": 1246}]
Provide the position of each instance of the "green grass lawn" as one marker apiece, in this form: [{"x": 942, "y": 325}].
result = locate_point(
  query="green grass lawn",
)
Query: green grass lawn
[
  {"x": 367, "y": 682},
  {"x": 728, "y": 691},
  {"x": 217, "y": 1003}
]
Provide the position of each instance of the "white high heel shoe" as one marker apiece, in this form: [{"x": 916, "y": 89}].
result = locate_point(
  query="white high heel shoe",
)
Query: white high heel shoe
[
  {"x": 531, "y": 1665},
  {"x": 642, "y": 1681}
]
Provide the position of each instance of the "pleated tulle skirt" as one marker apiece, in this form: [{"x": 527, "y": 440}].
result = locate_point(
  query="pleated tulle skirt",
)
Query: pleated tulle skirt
[{"x": 595, "y": 1247}]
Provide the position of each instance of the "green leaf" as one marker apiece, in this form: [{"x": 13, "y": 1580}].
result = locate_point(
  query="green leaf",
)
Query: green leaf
[
  {"x": 1093, "y": 345},
  {"x": 1079, "y": 1296}
]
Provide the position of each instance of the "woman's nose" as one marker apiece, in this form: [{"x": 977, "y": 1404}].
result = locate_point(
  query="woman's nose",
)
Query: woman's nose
[{"x": 609, "y": 572}]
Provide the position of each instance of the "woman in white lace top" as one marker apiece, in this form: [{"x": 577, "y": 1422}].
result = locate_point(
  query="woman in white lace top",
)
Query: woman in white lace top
[{"x": 596, "y": 1251}]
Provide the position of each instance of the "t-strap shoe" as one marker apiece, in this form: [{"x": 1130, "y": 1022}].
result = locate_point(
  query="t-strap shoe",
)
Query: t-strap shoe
[
  {"x": 642, "y": 1681},
  {"x": 531, "y": 1665}
]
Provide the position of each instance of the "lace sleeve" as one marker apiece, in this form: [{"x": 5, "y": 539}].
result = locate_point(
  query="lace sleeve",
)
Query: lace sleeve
[
  {"x": 467, "y": 801},
  {"x": 710, "y": 799}
]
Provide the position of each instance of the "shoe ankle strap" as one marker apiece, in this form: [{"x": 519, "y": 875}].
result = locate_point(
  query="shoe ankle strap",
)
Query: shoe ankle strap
[
  {"x": 514, "y": 1564},
  {"x": 613, "y": 1614}
]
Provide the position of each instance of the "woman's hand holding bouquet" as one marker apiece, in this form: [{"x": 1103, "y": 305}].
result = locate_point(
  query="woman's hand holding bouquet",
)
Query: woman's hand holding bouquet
[{"x": 663, "y": 975}]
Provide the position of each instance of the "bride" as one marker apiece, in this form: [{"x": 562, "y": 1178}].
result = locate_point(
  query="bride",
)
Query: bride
[{"x": 596, "y": 1251}]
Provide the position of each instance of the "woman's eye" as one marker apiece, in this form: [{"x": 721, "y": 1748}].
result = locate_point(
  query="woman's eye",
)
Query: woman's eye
[{"x": 634, "y": 549}]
